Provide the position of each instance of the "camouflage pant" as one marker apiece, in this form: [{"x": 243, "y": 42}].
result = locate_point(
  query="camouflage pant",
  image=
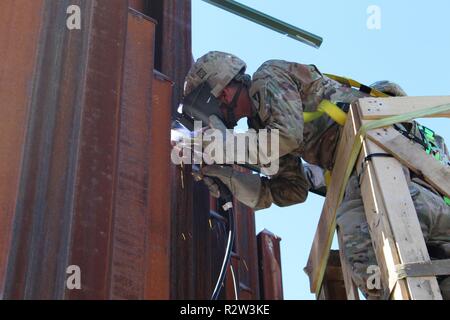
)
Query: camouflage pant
[{"x": 434, "y": 218}]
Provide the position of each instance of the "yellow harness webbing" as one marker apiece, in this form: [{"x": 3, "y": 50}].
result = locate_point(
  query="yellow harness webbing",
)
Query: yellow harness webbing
[{"x": 331, "y": 109}]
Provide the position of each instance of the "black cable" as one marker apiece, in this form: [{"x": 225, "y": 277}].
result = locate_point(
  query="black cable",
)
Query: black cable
[
  {"x": 370, "y": 157},
  {"x": 378, "y": 155},
  {"x": 411, "y": 136},
  {"x": 227, "y": 197}
]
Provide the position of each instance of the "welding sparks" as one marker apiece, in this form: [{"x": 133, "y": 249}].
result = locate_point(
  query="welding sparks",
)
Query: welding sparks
[
  {"x": 183, "y": 140},
  {"x": 178, "y": 133}
]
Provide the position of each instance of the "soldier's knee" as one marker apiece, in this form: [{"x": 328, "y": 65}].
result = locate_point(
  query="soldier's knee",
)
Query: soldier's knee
[
  {"x": 286, "y": 202},
  {"x": 444, "y": 285}
]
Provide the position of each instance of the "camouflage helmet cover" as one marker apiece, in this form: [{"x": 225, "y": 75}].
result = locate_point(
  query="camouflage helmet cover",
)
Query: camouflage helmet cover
[
  {"x": 217, "y": 68},
  {"x": 390, "y": 88}
]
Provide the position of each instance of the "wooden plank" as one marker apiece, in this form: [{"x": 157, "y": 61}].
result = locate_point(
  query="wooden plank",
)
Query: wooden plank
[
  {"x": 378, "y": 108},
  {"x": 318, "y": 256},
  {"x": 385, "y": 192},
  {"x": 379, "y": 226},
  {"x": 333, "y": 287},
  {"x": 350, "y": 288},
  {"x": 435, "y": 267},
  {"x": 413, "y": 156}
]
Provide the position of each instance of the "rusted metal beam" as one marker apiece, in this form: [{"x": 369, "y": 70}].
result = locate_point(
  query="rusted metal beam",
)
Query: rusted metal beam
[
  {"x": 95, "y": 157},
  {"x": 160, "y": 215},
  {"x": 270, "y": 266},
  {"x": 182, "y": 267},
  {"x": 217, "y": 239},
  {"x": 247, "y": 249},
  {"x": 18, "y": 55},
  {"x": 174, "y": 41},
  {"x": 63, "y": 216},
  {"x": 138, "y": 5},
  {"x": 98, "y": 151},
  {"x": 133, "y": 202},
  {"x": 190, "y": 202},
  {"x": 202, "y": 243},
  {"x": 86, "y": 178}
]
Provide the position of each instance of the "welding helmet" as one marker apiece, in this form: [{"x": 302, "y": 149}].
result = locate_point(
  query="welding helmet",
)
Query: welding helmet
[{"x": 206, "y": 81}]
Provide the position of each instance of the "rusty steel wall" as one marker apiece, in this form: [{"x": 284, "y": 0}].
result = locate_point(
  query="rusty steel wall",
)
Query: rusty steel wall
[
  {"x": 96, "y": 161},
  {"x": 190, "y": 202},
  {"x": 173, "y": 41},
  {"x": 64, "y": 200},
  {"x": 86, "y": 177},
  {"x": 199, "y": 237},
  {"x": 132, "y": 205},
  {"x": 82, "y": 182},
  {"x": 217, "y": 239},
  {"x": 160, "y": 195},
  {"x": 247, "y": 250},
  {"x": 138, "y": 5},
  {"x": 270, "y": 273},
  {"x": 244, "y": 254},
  {"x": 17, "y": 59}
]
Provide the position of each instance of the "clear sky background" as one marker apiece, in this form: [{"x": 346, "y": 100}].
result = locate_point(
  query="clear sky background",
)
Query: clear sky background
[{"x": 412, "y": 48}]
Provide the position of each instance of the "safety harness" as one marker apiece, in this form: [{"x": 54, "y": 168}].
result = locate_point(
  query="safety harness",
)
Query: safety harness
[
  {"x": 333, "y": 110},
  {"x": 355, "y": 84},
  {"x": 427, "y": 140}
]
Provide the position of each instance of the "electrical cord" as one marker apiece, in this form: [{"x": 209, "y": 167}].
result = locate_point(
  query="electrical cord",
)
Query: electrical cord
[
  {"x": 236, "y": 295},
  {"x": 227, "y": 197}
]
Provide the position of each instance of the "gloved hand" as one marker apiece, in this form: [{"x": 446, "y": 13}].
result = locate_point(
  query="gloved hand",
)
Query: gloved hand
[
  {"x": 245, "y": 187},
  {"x": 212, "y": 186},
  {"x": 217, "y": 153},
  {"x": 216, "y": 123}
]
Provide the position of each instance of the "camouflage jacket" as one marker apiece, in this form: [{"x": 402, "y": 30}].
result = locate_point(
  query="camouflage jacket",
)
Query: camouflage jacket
[{"x": 280, "y": 92}]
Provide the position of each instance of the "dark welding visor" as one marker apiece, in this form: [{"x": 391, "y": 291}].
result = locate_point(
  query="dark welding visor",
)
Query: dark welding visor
[{"x": 199, "y": 105}]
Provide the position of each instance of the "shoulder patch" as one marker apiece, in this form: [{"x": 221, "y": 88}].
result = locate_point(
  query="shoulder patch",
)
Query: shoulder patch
[{"x": 201, "y": 73}]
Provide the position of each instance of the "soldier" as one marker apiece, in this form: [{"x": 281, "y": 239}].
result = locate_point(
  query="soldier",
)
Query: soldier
[{"x": 275, "y": 98}]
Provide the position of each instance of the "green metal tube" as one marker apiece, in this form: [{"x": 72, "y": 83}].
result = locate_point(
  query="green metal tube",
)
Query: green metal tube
[{"x": 268, "y": 22}]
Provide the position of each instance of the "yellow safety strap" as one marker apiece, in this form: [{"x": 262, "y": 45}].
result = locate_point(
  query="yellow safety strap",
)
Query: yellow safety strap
[
  {"x": 355, "y": 84},
  {"x": 327, "y": 177},
  {"x": 331, "y": 109},
  {"x": 336, "y": 113}
]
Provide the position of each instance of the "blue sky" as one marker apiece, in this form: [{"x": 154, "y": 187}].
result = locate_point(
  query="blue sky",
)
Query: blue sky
[{"x": 412, "y": 48}]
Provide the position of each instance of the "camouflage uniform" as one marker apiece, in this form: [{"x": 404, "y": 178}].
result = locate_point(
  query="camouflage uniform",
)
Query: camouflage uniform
[
  {"x": 434, "y": 218},
  {"x": 280, "y": 92}
]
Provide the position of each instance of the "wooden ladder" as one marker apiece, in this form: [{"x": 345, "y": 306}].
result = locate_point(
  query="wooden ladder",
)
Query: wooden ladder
[{"x": 406, "y": 270}]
